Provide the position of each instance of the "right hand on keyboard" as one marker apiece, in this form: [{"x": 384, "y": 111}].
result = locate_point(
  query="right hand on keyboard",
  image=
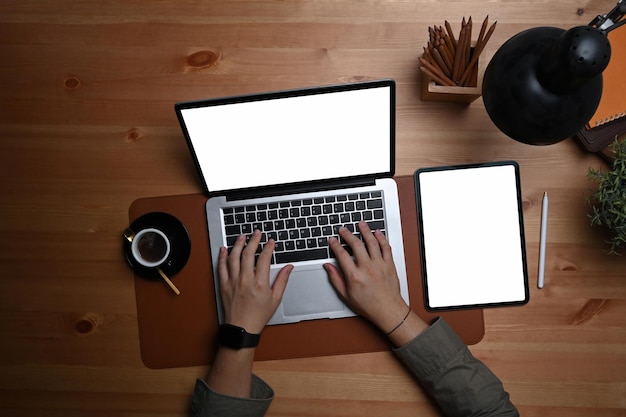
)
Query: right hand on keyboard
[{"x": 369, "y": 283}]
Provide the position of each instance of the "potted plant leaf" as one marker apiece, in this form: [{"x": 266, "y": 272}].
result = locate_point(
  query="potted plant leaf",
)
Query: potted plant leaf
[{"x": 608, "y": 202}]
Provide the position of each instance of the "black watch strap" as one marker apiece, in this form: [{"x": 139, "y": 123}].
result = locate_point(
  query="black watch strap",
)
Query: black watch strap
[{"x": 236, "y": 337}]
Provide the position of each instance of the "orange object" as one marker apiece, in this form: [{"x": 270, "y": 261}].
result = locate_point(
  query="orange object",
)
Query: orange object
[{"x": 613, "y": 101}]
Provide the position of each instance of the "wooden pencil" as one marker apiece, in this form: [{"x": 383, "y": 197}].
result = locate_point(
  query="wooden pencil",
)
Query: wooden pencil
[
  {"x": 427, "y": 56},
  {"x": 448, "y": 41},
  {"x": 436, "y": 78},
  {"x": 458, "y": 55},
  {"x": 446, "y": 55},
  {"x": 441, "y": 77},
  {"x": 484, "y": 41},
  {"x": 467, "y": 48},
  {"x": 439, "y": 59},
  {"x": 477, "y": 51},
  {"x": 450, "y": 34},
  {"x": 483, "y": 28},
  {"x": 433, "y": 68}
]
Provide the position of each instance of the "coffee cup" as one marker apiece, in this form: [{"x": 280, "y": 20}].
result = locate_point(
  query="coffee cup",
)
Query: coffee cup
[{"x": 150, "y": 247}]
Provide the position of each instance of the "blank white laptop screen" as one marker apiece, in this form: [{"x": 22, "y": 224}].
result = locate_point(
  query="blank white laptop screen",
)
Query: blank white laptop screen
[
  {"x": 472, "y": 236},
  {"x": 312, "y": 137}
]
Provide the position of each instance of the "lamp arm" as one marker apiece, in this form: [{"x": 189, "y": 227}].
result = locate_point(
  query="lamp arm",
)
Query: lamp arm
[{"x": 611, "y": 20}]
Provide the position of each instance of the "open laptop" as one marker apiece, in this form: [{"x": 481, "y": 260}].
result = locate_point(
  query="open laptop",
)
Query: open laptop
[{"x": 297, "y": 165}]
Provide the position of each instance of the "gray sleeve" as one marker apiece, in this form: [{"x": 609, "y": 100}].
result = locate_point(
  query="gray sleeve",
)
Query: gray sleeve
[
  {"x": 206, "y": 402},
  {"x": 461, "y": 384}
]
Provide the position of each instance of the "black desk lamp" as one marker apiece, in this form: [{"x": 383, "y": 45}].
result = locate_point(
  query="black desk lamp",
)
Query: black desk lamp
[{"x": 544, "y": 84}]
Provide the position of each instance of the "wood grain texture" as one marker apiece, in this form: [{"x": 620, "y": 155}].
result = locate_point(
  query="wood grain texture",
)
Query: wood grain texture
[{"x": 87, "y": 126}]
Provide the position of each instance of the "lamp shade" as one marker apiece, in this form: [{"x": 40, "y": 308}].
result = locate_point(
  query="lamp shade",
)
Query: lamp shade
[{"x": 544, "y": 84}]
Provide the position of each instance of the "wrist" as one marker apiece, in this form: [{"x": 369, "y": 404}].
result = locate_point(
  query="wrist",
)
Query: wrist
[
  {"x": 397, "y": 326},
  {"x": 231, "y": 371},
  {"x": 393, "y": 313},
  {"x": 248, "y": 320},
  {"x": 236, "y": 337},
  {"x": 412, "y": 326}
]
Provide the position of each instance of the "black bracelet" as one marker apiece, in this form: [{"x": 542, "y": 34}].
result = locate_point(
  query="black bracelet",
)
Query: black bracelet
[{"x": 401, "y": 323}]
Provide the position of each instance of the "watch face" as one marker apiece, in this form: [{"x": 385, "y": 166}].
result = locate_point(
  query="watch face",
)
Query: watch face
[{"x": 236, "y": 337}]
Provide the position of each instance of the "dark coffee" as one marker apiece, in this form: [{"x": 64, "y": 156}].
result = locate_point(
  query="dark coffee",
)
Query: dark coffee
[{"x": 152, "y": 247}]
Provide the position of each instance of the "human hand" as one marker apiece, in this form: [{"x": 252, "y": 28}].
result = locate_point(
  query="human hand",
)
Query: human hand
[
  {"x": 368, "y": 284},
  {"x": 247, "y": 297}
]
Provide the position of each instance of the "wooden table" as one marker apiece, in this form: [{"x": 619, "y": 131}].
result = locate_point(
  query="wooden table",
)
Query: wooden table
[{"x": 87, "y": 126}]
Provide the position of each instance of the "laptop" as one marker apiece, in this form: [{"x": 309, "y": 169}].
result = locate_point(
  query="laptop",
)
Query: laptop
[{"x": 297, "y": 165}]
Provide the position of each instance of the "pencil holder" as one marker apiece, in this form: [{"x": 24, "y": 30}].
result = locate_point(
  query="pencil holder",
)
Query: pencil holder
[{"x": 433, "y": 91}]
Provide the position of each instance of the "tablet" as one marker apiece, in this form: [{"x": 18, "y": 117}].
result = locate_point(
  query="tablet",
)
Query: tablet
[{"x": 471, "y": 231}]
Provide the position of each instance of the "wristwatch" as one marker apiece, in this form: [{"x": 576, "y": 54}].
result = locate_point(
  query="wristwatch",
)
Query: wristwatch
[{"x": 236, "y": 337}]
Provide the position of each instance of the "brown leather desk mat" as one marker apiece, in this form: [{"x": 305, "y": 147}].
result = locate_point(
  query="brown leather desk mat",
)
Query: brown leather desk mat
[{"x": 177, "y": 331}]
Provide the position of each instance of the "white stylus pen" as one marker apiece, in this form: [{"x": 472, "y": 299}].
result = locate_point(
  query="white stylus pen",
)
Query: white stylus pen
[{"x": 542, "y": 240}]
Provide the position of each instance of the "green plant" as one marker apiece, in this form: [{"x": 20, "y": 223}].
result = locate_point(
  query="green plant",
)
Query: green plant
[{"x": 609, "y": 200}]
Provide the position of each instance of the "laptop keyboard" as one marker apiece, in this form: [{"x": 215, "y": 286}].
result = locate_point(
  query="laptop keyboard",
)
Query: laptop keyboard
[{"x": 301, "y": 228}]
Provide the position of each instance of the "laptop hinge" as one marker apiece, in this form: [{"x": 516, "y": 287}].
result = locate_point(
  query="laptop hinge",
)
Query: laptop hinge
[{"x": 299, "y": 188}]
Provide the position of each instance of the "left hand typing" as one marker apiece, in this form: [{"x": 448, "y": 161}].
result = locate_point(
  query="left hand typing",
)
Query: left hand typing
[{"x": 248, "y": 299}]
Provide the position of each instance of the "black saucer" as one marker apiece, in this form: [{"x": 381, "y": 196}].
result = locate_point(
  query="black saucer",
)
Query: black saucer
[{"x": 179, "y": 241}]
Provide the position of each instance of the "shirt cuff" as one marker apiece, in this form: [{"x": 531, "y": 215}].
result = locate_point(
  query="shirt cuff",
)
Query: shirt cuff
[
  {"x": 431, "y": 351},
  {"x": 207, "y": 402}
]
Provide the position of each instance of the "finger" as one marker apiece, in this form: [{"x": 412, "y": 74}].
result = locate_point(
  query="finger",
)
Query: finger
[
  {"x": 336, "y": 279},
  {"x": 265, "y": 259},
  {"x": 234, "y": 259},
  {"x": 248, "y": 255},
  {"x": 235, "y": 252},
  {"x": 343, "y": 257},
  {"x": 357, "y": 246},
  {"x": 280, "y": 283},
  {"x": 222, "y": 265},
  {"x": 373, "y": 247},
  {"x": 385, "y": 247}
]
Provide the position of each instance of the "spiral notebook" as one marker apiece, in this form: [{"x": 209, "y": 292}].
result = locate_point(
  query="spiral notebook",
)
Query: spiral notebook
[{"x": 613, "y": 102}]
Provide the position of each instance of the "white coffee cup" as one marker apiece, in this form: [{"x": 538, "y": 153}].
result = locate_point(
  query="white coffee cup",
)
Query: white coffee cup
[{"x": 150, "y": 247}]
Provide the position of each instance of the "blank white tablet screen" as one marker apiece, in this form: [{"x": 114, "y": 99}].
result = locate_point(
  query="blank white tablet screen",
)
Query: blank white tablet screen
[{"x": 473, "y": 245}]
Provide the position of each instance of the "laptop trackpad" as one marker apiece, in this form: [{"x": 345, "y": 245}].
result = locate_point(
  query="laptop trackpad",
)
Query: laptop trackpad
[{"x": 310, "y": 292}]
